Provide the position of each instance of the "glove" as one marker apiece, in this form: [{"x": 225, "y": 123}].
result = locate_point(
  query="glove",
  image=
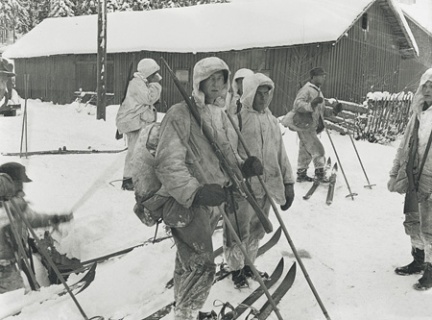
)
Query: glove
[
  {"x": 252, "y": 167},
  {"x": 60, "y": 218},
  {"x": 391, "y": 184},
  {"x": 289, "y": 197},
  {"x": 210, "y": 195},
  {"x": 316, "y": 101},
  {"x": 337, "y": 108}
]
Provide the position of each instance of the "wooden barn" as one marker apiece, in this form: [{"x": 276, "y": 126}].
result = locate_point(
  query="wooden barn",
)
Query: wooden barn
[
  {"x": 363, "y": 45},
  {"x": 411, "y": 69}
]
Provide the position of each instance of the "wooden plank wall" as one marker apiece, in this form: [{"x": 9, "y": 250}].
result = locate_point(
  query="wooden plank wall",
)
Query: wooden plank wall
[{"x": 362, "y": 61}]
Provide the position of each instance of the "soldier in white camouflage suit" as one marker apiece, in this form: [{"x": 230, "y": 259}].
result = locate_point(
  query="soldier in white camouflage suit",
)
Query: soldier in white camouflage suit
[{"x": 196, "y": 200}]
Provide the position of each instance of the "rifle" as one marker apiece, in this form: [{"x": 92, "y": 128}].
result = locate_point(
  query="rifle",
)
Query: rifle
[
  {"x": 238, "y": 182},
  {"x": 411, "y": 201}
]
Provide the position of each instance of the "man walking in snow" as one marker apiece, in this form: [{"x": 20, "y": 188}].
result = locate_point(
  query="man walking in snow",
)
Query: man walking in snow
[
  {"x": 137, "y": 109},
  {"x": 263, "y": 139},
  {"x": 12, "y": 177},
  {"x": 195, "y": 182},
  {"x": 308, "y": 113},
  {"x": 418, "y": 225}
]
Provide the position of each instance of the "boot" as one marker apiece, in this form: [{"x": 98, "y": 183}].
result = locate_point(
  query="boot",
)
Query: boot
[
  {"x": 207, "y": 315},
  {"x": 320, "y": 175},
  {"x": 302, "y": 176},
  {"x": 425, "y": 282},
  {"x": 416, "y": 266},
  {"x": 247, "y": 270},
  {"x": 127, "y": 184},
  {"x": 239, "y": 279}
]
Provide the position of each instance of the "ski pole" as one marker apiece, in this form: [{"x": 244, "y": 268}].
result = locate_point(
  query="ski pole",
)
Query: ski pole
[
  {"x": 47, "y": 256},
  {"x": 282, "y": 224},
  {"x": 230, "y": 226},
  {"x": 351, "y": 194},
  {"x": 369, "y": 185},
  {"x": 23, "y": 259}
]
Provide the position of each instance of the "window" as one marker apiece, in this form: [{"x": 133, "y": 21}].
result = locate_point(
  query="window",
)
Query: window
[
  {"x": 182, "y": 75},
  {"x": 364, "y": 22}
]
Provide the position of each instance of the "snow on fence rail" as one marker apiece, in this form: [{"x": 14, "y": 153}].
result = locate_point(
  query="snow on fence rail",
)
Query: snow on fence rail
[{"x": 381, "y": 118}]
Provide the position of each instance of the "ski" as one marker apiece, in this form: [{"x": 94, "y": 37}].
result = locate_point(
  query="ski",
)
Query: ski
[
  {"x": 331, "y": 186},
  {"x": 64, "y": 151},
  {"x": 312, "y": 189},
  {"x": 223, "y": 273},
  {"x": 76, "y": 288},
  {"x": 281, "y": 290},
  {"x": 316, "y": 182},
  {"x": 255, "y": 295}
]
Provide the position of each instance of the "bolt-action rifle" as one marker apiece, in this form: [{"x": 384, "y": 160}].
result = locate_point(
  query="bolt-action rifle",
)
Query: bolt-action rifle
[{"x": 238, "y": 182}]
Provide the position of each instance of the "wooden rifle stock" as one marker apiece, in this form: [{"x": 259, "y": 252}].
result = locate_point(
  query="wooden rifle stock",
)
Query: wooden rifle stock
[{"x": 238, "y": 182}]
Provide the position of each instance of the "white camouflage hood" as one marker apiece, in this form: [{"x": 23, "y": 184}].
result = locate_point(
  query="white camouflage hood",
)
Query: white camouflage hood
[
  {"x": 418, "y": 99},
  {"x": 240, "y": 73},
  {"x": 250, "y": 86},
  {"x": 204, "y": 69}
]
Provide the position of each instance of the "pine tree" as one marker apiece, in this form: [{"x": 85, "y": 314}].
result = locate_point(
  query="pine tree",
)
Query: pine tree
[
  {"x": 13, "y": 17},
  {"x": 61, "y": 8}
]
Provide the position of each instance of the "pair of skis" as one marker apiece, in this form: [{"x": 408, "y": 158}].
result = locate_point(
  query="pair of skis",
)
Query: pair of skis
[
  {"x": 222, "y": 274},
  {"x": 331, "y": 185},
  {"x": 247, "y": 303}
]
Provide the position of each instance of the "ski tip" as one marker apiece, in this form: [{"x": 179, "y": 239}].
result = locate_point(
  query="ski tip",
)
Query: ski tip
[{"x": 335, "y": 167}]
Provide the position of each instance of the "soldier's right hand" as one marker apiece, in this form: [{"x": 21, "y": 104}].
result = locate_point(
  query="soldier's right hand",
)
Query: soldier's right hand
[
  {"x": 316, "y": 101},
  {"x": 211, "y": 195}
]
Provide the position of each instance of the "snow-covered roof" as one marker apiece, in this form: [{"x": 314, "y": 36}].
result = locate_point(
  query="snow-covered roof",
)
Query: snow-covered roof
[
  {"x": 420, "y": 13},
  {"x": 204, "y": 28}
]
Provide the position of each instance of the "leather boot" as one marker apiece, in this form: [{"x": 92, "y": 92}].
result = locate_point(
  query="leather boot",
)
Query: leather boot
[
  {"x": 416, "y": 266},
  {"x": 127, "y": 184},
  {"x": 302, "y": 176},
  {"x": 320, "y": 175},
  {"x": 425, "y": 282}
]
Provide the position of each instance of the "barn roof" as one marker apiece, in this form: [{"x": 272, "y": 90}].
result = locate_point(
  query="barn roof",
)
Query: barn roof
[{"x": 209, "y": 28}]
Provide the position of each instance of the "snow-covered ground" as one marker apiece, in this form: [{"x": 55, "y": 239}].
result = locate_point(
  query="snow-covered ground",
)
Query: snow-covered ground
[{"x": 349, "y": 249}]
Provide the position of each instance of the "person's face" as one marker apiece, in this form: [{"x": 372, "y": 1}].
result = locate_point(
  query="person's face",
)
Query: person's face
[
  {"x": 262, "y": 96},
  {"x": 213, "y": 86},
  {"x": 3, "y": 83},
  {"x": 239, "y": 83},
  {"x": 319, "y": 80},
  {"x": 427, "y": 92}
]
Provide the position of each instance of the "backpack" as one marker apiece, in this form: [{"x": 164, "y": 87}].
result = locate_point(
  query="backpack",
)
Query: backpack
[{"x": 149, "y": 205}]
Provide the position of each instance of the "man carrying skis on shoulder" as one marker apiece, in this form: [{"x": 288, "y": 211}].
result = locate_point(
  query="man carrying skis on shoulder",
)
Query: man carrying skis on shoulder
[
  {"x": 415, "y": 149},
  {"x": 263, "y": 139},
  {"x": 12, "y": 177},
  {"x": 195, "y": 182}
]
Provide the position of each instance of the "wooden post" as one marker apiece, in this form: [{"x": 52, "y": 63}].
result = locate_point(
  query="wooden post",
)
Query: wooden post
[{"x": 101, "y": 59}]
